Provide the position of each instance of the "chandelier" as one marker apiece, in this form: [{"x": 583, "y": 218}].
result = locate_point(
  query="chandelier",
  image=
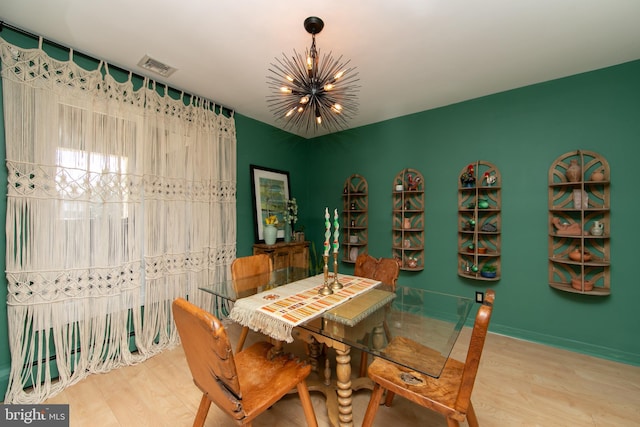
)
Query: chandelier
[{"x": 311, "y": 93}]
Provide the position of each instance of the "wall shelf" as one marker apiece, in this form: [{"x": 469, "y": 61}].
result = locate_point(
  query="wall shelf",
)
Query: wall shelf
[
  {"x": 480, "y": 223},
  {"x": 408, "y": 220},
  {"x": 579, "y": 202},
  {"x": 355, "y": 206}
]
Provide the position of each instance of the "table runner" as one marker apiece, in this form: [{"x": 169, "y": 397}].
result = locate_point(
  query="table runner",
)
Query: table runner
[{"x": 277, "y": 311}]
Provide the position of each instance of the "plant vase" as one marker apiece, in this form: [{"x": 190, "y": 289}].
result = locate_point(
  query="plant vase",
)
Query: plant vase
[
  {"x": 488, "y": 274},
  {"x": 288, "y": 231},
  {"x": 270, "y": 234}
]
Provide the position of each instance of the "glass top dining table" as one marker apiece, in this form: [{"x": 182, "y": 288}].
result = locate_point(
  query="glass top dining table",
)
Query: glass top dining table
[{"x": 429, "y": 322}]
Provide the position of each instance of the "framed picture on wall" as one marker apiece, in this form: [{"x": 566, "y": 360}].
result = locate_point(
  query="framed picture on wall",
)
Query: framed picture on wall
[{"x": 270, "y": 189}]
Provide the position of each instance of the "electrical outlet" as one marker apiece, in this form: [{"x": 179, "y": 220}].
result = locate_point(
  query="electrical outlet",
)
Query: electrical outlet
[{"x": 479, "y": 297}]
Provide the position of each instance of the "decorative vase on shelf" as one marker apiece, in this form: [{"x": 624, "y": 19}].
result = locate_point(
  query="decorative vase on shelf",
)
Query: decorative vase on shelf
[
  {"x": 287, "y": 232},
  {"x": 598, "y": 175},
  {"x": 270, "y": 234},
  {"x": 574, "y": 171},
  {"x": 597, "y": 229}
]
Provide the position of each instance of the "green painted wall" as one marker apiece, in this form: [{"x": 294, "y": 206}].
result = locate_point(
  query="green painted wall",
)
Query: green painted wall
[
  {"x": 521, "y": 131},
  {"x": 263, "y": 145}
]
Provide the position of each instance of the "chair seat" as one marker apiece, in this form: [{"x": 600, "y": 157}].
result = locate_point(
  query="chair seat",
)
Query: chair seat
[
  {"x": 406, "y": 351},
  {"x": 243, "y": 385},
  {"x": 390, "y": 376},
  {"x": 264, "y": 381}
]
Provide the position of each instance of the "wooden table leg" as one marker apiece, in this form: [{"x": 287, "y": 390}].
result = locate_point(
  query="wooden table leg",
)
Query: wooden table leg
[
  {"x": 343, "y": 373},
  {"x": 276, "y": 350},
  {"x": 313, "y": 347},
  {"x": 338, "y": 395}
]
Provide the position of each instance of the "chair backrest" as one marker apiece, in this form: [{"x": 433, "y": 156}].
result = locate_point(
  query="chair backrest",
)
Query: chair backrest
[
  {"x": 365, "y": 266},
  {"x": 385, "y": 270},
  {"x": 474, "y": 352},
  {"x": 252, "y": 270},
  {"x": 209, "y": 356}
]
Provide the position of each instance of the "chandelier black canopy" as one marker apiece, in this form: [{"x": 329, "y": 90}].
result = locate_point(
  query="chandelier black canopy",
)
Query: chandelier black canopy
[{"x": 309, "y": 92}]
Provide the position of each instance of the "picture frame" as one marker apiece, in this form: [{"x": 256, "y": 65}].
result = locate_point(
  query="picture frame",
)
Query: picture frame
[{"x": 270, "y": 189}]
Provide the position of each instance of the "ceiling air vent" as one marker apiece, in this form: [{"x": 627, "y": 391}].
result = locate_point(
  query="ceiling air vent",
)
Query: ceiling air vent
[{"x": 156, "y": 66}]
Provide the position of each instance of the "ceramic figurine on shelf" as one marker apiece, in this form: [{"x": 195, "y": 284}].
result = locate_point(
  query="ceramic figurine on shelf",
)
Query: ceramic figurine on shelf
[
  {"x": 597, "y": 229},
  {"x": 489, "y": 227},
  {"x": 483, "y": 204},
  {"x": 468, "y": 178},
  {"x": 566, "y": 228},
  {"x": 490, "y": 179},
  {"x": 412, "y": 183}
]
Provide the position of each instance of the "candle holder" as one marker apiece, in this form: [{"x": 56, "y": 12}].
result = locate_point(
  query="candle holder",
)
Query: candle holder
[
  {"x": 336, "y": 285},
  {"x": 326, "y": 290}
]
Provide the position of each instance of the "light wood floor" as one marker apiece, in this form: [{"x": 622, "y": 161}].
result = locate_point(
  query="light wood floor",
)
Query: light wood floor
[{"x": 519, "y": 384}]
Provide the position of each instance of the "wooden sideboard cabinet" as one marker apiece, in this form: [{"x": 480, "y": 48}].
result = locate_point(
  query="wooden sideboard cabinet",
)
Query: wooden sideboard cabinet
[{"x": 293, "y": 254}]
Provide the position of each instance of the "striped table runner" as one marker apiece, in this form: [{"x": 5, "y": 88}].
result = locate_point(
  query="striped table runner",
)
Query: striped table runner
[{"x": 277, "y": 311}]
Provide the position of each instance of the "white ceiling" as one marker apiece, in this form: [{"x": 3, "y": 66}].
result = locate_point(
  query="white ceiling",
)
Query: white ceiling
[{"x": 411, "y": 55}]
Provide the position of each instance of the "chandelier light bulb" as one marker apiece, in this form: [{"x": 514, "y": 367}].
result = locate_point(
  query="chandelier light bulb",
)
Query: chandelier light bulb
[{"x": 320, "y": 88}]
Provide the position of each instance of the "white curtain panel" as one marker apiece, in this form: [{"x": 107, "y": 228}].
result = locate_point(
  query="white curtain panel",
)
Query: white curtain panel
[{"x": 119, "y": 200}]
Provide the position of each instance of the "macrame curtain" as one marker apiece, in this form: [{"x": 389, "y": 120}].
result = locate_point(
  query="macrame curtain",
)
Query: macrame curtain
[{"x": 119, "y": 200}]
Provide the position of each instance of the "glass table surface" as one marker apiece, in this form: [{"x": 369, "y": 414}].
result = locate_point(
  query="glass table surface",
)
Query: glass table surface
[{"x": 425, "y": 323}]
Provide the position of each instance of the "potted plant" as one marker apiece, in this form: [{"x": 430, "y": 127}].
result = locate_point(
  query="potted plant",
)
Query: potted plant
[{"x": 488, "y": 271}]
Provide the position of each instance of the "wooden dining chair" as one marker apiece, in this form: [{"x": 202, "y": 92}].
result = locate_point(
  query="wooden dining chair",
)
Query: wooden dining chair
[
  {"x": 385, "y": 270},
  {"x": 243, "y": 385},
  {"x": 450, "y": 393},
  {"x": 248, "y": 273}
]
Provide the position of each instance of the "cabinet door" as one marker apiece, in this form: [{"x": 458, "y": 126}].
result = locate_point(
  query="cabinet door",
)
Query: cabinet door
[
  {"x": 281, "y": 258},
  {"x": 299, "y": 256}
]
